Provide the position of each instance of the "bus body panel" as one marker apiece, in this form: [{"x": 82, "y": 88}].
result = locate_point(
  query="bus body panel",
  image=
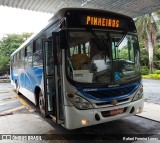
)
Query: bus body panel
[{"x": 27, "y": 80}]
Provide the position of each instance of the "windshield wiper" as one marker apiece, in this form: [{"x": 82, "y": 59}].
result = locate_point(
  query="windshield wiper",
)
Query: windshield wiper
[
  {"x": 97, "y": 40},
  {"x": 120, "y": 41}
]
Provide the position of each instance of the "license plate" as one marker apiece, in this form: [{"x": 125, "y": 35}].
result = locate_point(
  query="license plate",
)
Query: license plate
[{"x": 116, "y": 111}]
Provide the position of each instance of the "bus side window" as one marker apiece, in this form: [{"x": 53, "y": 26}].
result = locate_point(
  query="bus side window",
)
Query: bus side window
[
  {"x": 25, "y": 57},
  {"x": 37, "y": 52},
  {"x": 18, "y": 61},
  {"x": 15, "y": 61},
  {"x": 28, "y": 56},
  {"x": 22, "y": 58},
  {"x": 13, "y": 64},
  {"x": 49, "y": 58}
]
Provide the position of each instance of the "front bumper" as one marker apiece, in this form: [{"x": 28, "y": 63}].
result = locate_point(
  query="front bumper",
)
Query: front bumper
[{"x": 74, "y": 117}]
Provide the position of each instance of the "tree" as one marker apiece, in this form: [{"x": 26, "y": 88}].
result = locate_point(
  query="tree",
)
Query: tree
[
  {"x": 8, "y": 44},
  {"x": 144, "y": 54},
  {"x": 147, "y": 27},
  {"x": 157, "y": 57}
]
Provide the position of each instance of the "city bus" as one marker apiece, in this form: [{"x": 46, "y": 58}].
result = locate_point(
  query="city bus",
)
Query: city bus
[{"x": 82, "y": 69}]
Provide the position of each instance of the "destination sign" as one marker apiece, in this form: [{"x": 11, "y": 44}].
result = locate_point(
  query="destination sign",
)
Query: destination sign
[{"x": 102, "y": 22}]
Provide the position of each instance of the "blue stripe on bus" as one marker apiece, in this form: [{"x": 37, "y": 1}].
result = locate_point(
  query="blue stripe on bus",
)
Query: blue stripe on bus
[
  {"x": 28, "y": 78},
  {"x": 83, "y": 91}
]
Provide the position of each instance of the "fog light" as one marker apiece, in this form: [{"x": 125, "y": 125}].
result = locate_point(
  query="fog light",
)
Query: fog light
[
  {"x": 138, "y": 110},
  {"x": 84, "y": 121}
]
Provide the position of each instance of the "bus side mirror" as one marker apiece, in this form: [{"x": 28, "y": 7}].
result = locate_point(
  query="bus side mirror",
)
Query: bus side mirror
[{"x": 63, "y": 39}]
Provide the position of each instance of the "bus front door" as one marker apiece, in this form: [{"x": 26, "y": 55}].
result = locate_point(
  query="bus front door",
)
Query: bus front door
[{"x": 52, "y": 81}]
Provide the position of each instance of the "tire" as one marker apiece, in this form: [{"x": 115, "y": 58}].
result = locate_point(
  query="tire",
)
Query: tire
[
  {"x": 41, "y": 104},
  {"x": 17, "y": 89}
]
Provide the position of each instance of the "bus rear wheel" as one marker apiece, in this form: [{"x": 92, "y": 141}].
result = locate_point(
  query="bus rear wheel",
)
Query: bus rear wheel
[{"x": 17, "y": 89}]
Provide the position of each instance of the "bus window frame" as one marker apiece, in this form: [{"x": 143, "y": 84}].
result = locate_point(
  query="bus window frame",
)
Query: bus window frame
[{"x": 37, "y": 47}]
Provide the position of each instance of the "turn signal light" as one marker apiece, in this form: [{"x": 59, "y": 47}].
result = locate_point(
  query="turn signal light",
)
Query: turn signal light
[{"x": 70, "y": 95}]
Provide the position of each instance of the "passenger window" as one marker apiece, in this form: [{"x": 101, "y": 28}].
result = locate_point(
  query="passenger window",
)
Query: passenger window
[
  {"x": 37, "y": 52},
  {"x": 21, "y": 59},
  {"x": 28, "y": 56},
  {"x": 49, "y": 58}
]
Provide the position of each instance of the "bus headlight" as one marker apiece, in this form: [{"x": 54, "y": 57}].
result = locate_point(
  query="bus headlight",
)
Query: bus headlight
[
  {"x": 78, "y": 99},
  {"x": 79, "y": 102},
  {"x": 138, "y": 95},
  {"x": 84, "y": 105}
]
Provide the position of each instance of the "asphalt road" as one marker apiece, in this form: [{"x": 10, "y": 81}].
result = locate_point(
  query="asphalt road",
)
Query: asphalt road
[
  {"x": 134, "y": 126},
  {"x": 9, "y": 101},
  {"x": 151, "y": 91},
  {"x": 4, "y": 87}
]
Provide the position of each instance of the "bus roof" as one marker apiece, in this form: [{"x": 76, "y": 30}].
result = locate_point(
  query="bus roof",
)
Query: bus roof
[{"x": 61, "y": 13}]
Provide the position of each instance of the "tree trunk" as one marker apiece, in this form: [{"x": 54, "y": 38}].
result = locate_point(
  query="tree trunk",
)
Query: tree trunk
[
  {"x": 150, "y": 52},
  {"x": 7, "y": 74}
]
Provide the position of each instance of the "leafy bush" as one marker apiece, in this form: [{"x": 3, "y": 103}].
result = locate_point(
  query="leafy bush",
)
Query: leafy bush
[
  {"x": 145, "y": 70},
  {"x": 157, "y": 72},
  {"x": 153, "y": 76}
]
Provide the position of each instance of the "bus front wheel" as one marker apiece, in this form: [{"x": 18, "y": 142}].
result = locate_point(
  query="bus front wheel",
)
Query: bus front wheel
[{"x": 42, "y": 105}]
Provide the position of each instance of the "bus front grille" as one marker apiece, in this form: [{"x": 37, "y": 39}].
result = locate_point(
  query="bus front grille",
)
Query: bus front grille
[
  {"x": 111, "y": 93},
  {"x": 109, "y": 103}
]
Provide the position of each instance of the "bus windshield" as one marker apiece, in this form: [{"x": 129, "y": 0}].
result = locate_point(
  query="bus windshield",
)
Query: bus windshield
[{"x": 102, "y": 57}]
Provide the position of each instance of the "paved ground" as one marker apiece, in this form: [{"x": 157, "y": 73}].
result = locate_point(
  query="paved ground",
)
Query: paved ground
[
  {"x": 151, "y": 91},
  {"x": 5, "y": 87},
  {"x": 19, "y": 116},
  {"x": 9, "y": 101},
  {"x": 151, "y": 111}
]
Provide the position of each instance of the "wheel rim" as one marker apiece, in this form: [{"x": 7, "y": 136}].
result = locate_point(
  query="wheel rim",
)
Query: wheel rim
[{"x": 41, "y": 102}]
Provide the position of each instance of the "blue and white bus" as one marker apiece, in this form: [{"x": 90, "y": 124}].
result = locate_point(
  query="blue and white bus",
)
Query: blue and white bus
[{"x": 82, "y": 69}]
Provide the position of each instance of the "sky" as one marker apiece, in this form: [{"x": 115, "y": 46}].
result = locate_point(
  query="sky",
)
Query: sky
[{"x": 17, "y": 21}]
